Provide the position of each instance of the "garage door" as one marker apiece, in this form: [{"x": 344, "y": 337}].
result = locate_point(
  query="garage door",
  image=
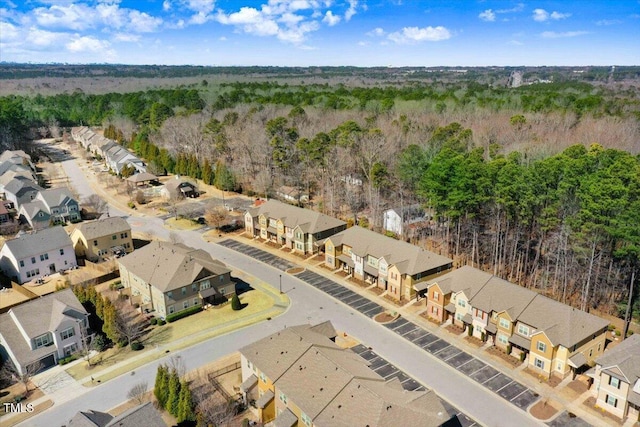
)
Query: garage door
[{"x": 47, "y": 362}]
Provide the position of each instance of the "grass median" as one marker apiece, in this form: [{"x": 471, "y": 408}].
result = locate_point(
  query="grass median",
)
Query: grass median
[{"x": 177, "y": 335}]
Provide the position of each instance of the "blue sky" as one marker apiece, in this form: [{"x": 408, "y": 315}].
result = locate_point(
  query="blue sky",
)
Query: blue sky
[{"x": 322, "y": 32}]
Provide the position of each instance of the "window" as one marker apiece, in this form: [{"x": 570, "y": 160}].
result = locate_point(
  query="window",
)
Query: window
[
  {"x": 170, "y": 309},
  {"x": 184, "y": 290},
  {"x": 503, "y": 339},
  {"x": 612, "y": 401},
  {"x": 614, "y": 382},
  {"x": 61, "y": 251},
  {"x": 196, "y": 301},
  {"x": 305, "y": 419},
  {"x": 504, "y": 323},
  {"x": 95, "y": 243},
  {"x": 436, "y": 295},
  {"x": 248, "y": 364},
  {"x": 541, "y": 346},
  {"x": 590, "y": 352},
  {"x": 559, "y": 367},
  {"x": 33, "y": 260},
  {"x": 194, "y": 288},
  {"x": 21, "y": 263},
  {"x": 114, "y": 237},
  {"x": 539, "y": 363},
  {"x": 462, "y": 303},
  {"x": 283, "y": 398},
  {"x": 170, "y": 294},
  {"x": 205, "y": 285},
  {"x": 67, "y": 333},
  {"x": 123, "y": 235},
  {"x": 523, "y": 330},
  {"x": 70, "y": 349},
  {"x": 44, "y": 256},
  {"x": 185, "y": 305},
  {"x": 42, "y": 340},
  {"x": 263, "y": 377},
  {"x": 599, "y": 347}
]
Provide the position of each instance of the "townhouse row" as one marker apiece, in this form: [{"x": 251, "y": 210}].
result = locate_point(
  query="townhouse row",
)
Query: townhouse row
[{"x": 115, "y": 156}]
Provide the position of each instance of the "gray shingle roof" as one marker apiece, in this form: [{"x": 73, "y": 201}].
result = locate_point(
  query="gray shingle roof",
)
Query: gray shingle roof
[
  {"x": 292, "y": 216},
  {"x": 31, "y": 209},
  {"x": 626, "y": 357},
  {"x": 90, "y": 418},
  {"x": 168, "y": 266},
  {"x": 467, "y": 279},
  {"x": 19, "y": 186},
  {"x": 54, "y": 197},
  {"x": 409, "y": 259},
  {"x": 103, "y": 227},
  {"x": 499, "y": 295},
  {"x": 38, "y": 242},
  {"x": 144, "y": 415}
]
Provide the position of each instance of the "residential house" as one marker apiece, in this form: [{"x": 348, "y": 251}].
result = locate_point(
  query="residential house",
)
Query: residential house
[
  {"x": 179, "y": 188},
  {"x": 167, "y": 278},
  {"x": 292, "y": 194},
  {"x": 117, "y": 157},
  {"x": 301, "y": 230},
  {"x": 42, "y": 331},
  {"x": 396, "y": 220},
  {"x": 299, "y": 376},
  {"x": 54, "y": 205},
  {"x": 142, "y": 415},
  {"x": 17, "y": 157},
  {"x": 21, "y": 190},
  {"x": 95, "y": 240},
  {"x": 33, "y": 255},
  {"x": 558, "y": 339},
  {"x": 616, "y": 376},
  {"x": 392, "y": 265},
  {"x": 4, "y": 214}
]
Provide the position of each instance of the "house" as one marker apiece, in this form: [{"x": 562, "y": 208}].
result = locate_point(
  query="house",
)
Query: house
[
  {"x": 558, "y": 339},
  {"x": 392, "y": 265},
  {"x": 292, "y": 195},
  {"x": 616, "y": 383},
  {"x": 95, "y": 240},
  {"x": 179, "y": 188},
  {"x": 168, "y": 278},
  {"x": 142, "y": 415},
  {"x": 299, "y": 376},
  {"x": 117, "y": 157},
  {"x": 33, "y": 255},
  {"x": 301, "y": 230},
  {"x": 21, "y": 190},
  {"x": 17, "y": 157},
  {"x": 4, "y": 214},
  {"x": 395, "y": 220},
  {"x": 38, "y": 333},
  {"x": 54, "y": 205}
]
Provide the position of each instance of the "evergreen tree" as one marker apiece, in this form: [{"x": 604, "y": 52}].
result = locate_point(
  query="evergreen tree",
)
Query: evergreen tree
[
  {"x": 185, "y": 408},
  {"x": 173, "y": 397},
  {"x": 207, "y": 173},
  {"x": 235, "y": 303},
  {"x": 160, "y": 388}
]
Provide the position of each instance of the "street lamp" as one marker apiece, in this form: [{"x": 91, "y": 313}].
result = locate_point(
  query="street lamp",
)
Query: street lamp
[{"x": 281, "y": 283}]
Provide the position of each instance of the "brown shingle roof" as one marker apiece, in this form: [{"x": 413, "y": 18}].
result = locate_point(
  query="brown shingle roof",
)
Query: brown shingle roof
[
  {"x": 626, "y": 357},
  {"x": 292, "y": 216},
  {"x": 168, "y": 266},
  {"x": 103, "y": 227}
]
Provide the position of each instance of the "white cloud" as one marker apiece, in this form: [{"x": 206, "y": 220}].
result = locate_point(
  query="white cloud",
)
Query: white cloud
[
  {"x": 541, "y": 15},
  {"x": 557, "y": 15},
  {"x": 353, "y": 5},
  {"x": 605, "y": 22},
  {"x": 130, "y": 38},
  {"x": 166, "y": 5},
  {"x": 43, "y": 38},
  {"x": 203, "y": 7},
  {"x": 9, "y": 31},
  {"x": 142, "y": 22},
  {"x": 376, "y": 32},
  {"x": 488, "y": 15},
  {"x": 87, "y": 43},
  {"x": 517, "y": 8},
  {"x": 74, "y": 16},
  {"x": 556, "y": 35},
  {"x": 330, "y": 19},
  {"x": 415, "y": 34}
]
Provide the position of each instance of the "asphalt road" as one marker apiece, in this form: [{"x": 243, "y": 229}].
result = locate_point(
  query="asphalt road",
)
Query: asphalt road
[{"x": 308, "y": 304}]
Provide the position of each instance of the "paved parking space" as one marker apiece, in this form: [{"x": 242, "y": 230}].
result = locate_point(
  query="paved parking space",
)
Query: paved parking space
[
  {"x": 388, "y": 371},
  {"x": 566, "y": 419},
  {"x": 491, "y": 378}
]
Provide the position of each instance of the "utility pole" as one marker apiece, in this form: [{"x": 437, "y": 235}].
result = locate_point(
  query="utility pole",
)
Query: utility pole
[{"x": 281, "y": 283}]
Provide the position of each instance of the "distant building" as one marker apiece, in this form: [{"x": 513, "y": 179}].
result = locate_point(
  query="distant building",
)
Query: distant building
[
  {"x": 179, "y": 188},
  {"x": 292, "y": 194},
  {"x": 33, "y": 255},
  {"x": 43, "y": 331},
  {"x": 396, "y": 220},
  {"x": 101, "y": 238}
]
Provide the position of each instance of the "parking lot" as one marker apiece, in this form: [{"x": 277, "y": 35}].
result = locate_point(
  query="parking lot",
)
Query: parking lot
[
  {"x": 501, "y": 384},
  {"x": 260, "y": 255},
  {"x": 386, "y": 370},
  {"x": 489, "y": 377}
]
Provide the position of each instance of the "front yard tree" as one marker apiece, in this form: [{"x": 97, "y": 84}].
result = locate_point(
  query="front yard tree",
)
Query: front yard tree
[
  {"x": 173, "y": 397},
  {"x": 161, "y": 387},
  {"x": 127, "y": 323},
  {"x": 185, "y": 407},
  {"x": 137, "y": 392},
  {"x": 235, "y": 302},
  {"x": 216, "y": 216}
]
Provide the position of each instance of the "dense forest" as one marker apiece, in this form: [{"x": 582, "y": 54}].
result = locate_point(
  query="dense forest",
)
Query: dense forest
[{"x": 539, "y": 184}]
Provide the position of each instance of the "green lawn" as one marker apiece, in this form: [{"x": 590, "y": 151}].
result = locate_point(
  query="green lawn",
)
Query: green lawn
[{"x": 179, "y": 334}]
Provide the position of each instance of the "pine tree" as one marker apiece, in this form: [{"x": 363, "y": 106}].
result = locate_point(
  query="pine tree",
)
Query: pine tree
[
  {"x": 160, "y": 388},
  {"x": 185, "y": 408},
  {"x": 207, "y": 173},
  {"x": 173, "y": 398},
  {"x": 235, "y": 303}
]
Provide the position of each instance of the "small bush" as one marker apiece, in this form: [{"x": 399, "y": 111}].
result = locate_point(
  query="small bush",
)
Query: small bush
[
  {"x": 184, "y": 313},
  {"x": 235, "y": 303},
  {"x": 483, "y": 336},
  {"x": 522, "y": 356},
  {"x": 99, "y": 343},
  {"x": 161, "y": 322},
  {"x": 470, "y": 330},
  {"x": 245, "y": 422},
  {"x": 67, "y": 359},
  {"x": 153, "y": 321},
  {"x": 116, "y": 285},
  {"x": 136, "y": 346},
  {"x": 509, "y": 348},
  {"x": 131, "y": 205},
  {"x": 611, "y": 327},
  {"x": 618, "y": 333}
]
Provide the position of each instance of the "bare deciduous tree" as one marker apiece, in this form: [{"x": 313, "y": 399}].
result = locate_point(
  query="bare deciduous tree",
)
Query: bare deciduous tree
[
  {"x": 216, "y": 216},
  {"x": 10, "y": 372},
  {"x": 138, "y": 392},
  {"x": 96, "y": 204},
  {"x": 128, "y": 323}
]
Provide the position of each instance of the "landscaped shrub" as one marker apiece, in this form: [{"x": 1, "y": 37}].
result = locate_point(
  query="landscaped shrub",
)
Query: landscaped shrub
[
  {"x": 99, "y": 342},
  {"x": 184, "y": 313},
  {"x": 522, "y": 356},
  {"x": 161, "y": 322},
  {"x": 470, "y": 330},
  {"x": 67, "y": 359},
  {"x": 153, "y": 321},
  {"x": 509, "y": 348},
  {"x": 136, "y": 346},
  {"x": 483, "y": 336},
  {"x": 235, "y": 303},
  {"x": 131, "y": 205}
]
